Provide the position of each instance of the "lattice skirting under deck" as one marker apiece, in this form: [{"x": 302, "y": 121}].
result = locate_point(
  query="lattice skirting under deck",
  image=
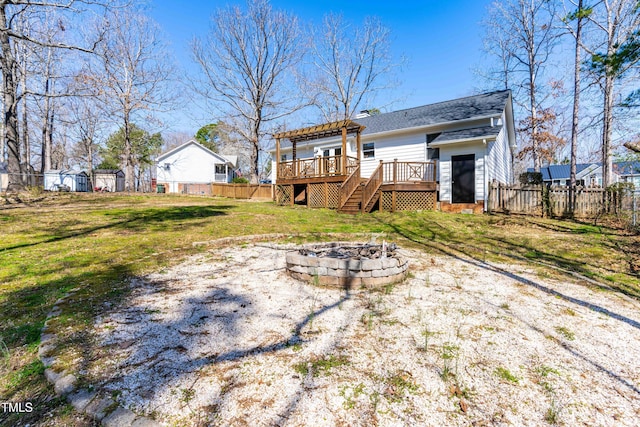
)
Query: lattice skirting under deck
[
  {"x": 409, "y": 200},
  {"x": 324, "y": 195},
  {"x": 284, "y": 194}
]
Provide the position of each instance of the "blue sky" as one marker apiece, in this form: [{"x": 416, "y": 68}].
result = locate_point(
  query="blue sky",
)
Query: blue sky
[{"x": 440, "y": 39}]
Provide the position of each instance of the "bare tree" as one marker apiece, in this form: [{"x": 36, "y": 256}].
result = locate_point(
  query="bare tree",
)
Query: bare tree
[
  {"x": 246, "y": 63},
  {"x": 616, "y": 23},
  {"x": 132, "y": 75},
  {"x": 350, "y": 65},
  {"x": 532, "y": 34},
  {"x": 10, "y": 33},
  {"x": 86, "y": 122},
  {"x": 578, "y": 15},
  {"x": 497, "y": 44}
]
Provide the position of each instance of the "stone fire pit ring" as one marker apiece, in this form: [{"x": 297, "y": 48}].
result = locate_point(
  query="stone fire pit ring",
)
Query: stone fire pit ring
[{"x": 347, "y": 264}]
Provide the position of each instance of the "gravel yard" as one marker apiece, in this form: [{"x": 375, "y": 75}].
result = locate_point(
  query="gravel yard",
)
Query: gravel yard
[{"x": 228, "y": 338}]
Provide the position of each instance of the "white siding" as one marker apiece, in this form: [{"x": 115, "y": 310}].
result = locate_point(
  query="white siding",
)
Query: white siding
[
  {"x": 499, "y": 159},
  {"x": 191, "y": 164},
  {"x": 405, "y": 148},
  {"x": 445, "y": 168}
]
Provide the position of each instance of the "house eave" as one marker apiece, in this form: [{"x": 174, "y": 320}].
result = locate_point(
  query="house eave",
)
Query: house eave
[{"x": 481, "y": 139}]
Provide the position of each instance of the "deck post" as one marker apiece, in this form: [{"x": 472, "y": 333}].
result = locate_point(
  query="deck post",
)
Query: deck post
[
  {"x": 395, "y": 171},
  {"x": 344, "y": 150},
  {"x": 293, "y": 155},
  {"x": 358, "y": 144},
  {"x": 277, "y": 158}
]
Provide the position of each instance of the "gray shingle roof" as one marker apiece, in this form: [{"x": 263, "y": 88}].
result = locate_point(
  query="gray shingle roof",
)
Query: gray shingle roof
[
  {"x": 486, "y": 104},
  {"x": 473, "y": 133}
]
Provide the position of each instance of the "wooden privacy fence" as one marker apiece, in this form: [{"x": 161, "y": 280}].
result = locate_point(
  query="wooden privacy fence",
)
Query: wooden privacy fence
[
  {"x": 541, "y": 200},
  {"x": 243, "y": 191}
]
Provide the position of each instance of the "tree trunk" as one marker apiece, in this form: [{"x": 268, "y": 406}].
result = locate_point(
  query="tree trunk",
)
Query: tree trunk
[
  {"x": 576, "y": 111},
  {"x": 128, "y": 161},
  {"x": 25, "y": 118},
  {"x": 9, "y": 86},
  {"x": 46, "y": 146},
  {"x": 607, "y": 121}
]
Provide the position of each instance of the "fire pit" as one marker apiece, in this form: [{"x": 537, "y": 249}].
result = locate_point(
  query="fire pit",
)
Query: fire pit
[{"x": 343, "y": 264}]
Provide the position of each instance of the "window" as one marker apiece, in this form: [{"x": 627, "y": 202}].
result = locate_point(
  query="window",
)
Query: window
[
  {"x": 220, "y": 169},
  {"x": 433, "y": 153},
  {"x": 369, "y": 150},
  {"x": 283, "y": 158}
]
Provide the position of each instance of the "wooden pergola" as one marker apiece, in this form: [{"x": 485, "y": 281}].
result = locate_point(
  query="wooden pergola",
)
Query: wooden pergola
[{"x": 342, "y": 127}]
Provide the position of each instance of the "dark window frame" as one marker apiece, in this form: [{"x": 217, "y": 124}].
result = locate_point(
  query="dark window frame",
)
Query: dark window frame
[{"x": 369, "y": 152}]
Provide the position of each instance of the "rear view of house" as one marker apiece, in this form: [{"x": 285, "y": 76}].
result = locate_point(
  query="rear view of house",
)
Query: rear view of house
[{"x": 460, "y": 146}]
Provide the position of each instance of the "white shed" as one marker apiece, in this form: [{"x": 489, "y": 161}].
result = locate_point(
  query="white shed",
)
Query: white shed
[
  {"x": 108, "y": 180},
  {"x": 66, "y": 180}
]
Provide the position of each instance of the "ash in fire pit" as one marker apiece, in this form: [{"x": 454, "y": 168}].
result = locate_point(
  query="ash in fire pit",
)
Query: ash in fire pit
[
  {"x": 356, "y": 252},
  {"x": 348, "y": 264}
]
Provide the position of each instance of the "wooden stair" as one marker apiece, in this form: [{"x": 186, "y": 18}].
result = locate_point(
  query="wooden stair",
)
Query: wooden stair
[
  {"x": 372, "y": 202},
  {"x": 352, "y": 206}
]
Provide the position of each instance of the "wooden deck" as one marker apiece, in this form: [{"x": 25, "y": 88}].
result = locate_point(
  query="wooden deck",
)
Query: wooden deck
[
  {"x": 316, "y": 169},
  {"x": 335, "y": 182}
]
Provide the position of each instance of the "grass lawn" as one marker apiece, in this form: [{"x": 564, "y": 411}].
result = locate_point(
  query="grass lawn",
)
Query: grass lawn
[{"x": 91, "y": 243}]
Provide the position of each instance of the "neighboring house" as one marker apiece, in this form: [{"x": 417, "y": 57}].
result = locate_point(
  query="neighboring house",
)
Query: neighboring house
[
  {"x": 108, "y": 180},
  {"x": 587, "y": 174},
  {"x": 470, "y": 141},
  {"x": 628, "y": 172},
  {"x": 66, "y": 180},
  {"x": 590, "y": 174},
  {"x": 192, "y": 163}
]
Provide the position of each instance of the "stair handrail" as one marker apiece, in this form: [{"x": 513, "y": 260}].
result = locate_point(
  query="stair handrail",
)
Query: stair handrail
[
  {"x": 371, "y": 186},
  {"x": 349, "y": 186}
]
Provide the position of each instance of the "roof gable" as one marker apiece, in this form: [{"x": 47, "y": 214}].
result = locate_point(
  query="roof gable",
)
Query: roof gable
[{"x": 193, "y": 142}]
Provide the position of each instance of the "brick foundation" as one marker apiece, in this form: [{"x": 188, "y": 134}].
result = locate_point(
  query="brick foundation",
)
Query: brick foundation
[{"x": 476, "y": 208}]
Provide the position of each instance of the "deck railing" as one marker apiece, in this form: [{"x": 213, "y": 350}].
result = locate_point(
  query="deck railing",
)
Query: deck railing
[
  {"x": 372, "y": 185},
  {"x": 398, "y": 172},
  {"x": 349, "y": 186},
  {"x": 316, "y": 167}
]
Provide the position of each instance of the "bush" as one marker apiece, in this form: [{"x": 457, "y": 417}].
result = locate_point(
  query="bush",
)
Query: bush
[
  {"x": 240, "y": 180},
  {"x": 530, "y": 178}
]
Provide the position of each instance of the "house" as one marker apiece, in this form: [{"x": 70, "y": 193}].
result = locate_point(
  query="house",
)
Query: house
[
  {"x": 448, "y": 152},
  {"x": 628, "y": 171},
  {"x": 66, "y": 180},
  {"x": 108, "y": 180},
  {"x": 192, "y": 163},
  {"x": 587, "y": 174},
  {"x": 590, "y": 174}
]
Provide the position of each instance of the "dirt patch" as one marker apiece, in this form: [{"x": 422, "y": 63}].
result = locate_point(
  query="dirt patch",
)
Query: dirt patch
[{"x": 231, "y": 339}]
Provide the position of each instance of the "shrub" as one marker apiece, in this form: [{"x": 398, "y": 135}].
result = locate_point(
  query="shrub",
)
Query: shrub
[
  {"x": 240, "y": 180},
  {"x": 530, "y": 178}
]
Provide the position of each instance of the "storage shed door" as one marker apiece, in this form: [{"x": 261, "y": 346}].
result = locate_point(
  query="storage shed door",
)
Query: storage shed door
[{"x": 463, "y": 179}]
